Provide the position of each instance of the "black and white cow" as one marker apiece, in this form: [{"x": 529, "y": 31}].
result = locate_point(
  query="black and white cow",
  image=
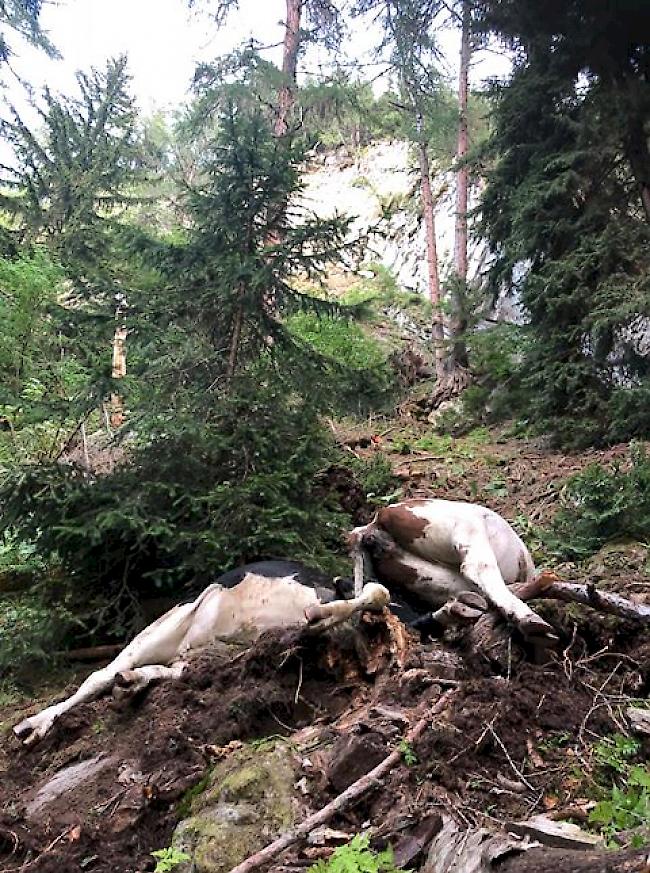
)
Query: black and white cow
[{"x": 239, "y": 607}]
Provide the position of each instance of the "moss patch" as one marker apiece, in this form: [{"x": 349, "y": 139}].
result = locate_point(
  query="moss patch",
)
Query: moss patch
[{"x": 247, "y": 802}]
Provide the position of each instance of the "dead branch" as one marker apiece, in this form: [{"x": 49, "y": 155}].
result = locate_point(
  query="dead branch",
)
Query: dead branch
[
  {"x": 587, "y": 595},
  {"x": 352, "y": 793},
  {"x": 92, "y": 653}
]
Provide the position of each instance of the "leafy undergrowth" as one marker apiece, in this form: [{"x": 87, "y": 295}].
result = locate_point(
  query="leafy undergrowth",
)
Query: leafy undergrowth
[
  {"x": 623, "y": 786},
  {"x": 357, "y": 857}
]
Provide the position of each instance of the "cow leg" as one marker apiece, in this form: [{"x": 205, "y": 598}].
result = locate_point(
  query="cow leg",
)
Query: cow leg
[
  {"x": 33, "y": 729},
  {"x": 156, "y": 644},
  {"x": 130, "y": 682},
  {"x": 373, "y": 597},
  {"x": 479, "y": 566}
]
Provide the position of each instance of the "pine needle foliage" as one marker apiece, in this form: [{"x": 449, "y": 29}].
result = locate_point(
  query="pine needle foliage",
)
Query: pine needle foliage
[
  {"x": 563, "y": 209},
  {"x": 229, "y": 283},
  {"x": 602, "y": 504},
  {"x": 226, "y": 440},
  {"x": 73, "y": 173}
]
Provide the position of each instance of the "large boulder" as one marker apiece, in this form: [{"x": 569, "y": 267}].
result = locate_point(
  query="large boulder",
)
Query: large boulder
[{"x": 247, "y": 803}]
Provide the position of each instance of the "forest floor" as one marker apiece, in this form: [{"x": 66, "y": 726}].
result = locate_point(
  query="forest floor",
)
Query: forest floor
[{"x": 110, "y": 783}]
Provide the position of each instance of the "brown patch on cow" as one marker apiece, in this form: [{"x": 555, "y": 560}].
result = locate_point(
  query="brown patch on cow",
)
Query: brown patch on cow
[
  {"x": 402, "y": 524},
  {"x": 390, "y": 569}
]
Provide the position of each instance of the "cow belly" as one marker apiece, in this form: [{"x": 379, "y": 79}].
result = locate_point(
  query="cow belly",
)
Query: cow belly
[
  {"x": 253, "y": 606},
  {"x": 437, "y": 544}
]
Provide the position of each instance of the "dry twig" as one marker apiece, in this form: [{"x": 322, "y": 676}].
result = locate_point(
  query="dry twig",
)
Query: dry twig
[{"x": 352, "y": 793}]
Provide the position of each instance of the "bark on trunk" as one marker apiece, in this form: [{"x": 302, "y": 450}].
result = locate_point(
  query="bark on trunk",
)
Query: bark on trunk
[
  {"x": 289, "y": 63},
  {"x": 548, "y": 860},
  {"x": 639, "y": 158},
  {"x": 235, "y": 339},
  {"x": 116, "y": 402},
  {"x": 457, "y": 373},
  {"x": 432, "y": 263},
  {"x": 462, "y": 174}
]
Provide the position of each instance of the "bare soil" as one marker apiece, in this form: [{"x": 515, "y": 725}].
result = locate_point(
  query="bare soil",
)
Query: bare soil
[{"x": 508, "y": 746}]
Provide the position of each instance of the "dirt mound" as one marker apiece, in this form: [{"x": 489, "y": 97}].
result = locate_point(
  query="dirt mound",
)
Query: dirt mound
[
  {"x": 141, "y": 758},
  {"x": 111, "y": 782}
]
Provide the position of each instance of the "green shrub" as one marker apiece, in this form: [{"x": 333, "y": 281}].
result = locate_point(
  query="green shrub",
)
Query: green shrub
[
  {"x": 18, "y": 558},
  {"x": 497, "y": 351},
  {"x": 624, "y": 803},
  {"x": 362, "y": 378},
  {"x": 383, "y": 289},
  {"x": 601, "y": 504},
  {"x": 376, "y": 477},
  {"x": 629, "y": 413},
  {"x": 357, "y": 857},
  {"x": 169, "y": 858},
  {"x": 197, "y": 498},
  {"x": 31, "y": 629}
]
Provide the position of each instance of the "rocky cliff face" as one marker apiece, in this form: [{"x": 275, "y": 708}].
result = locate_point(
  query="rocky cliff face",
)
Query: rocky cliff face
[{"x": 379, "y": 188}]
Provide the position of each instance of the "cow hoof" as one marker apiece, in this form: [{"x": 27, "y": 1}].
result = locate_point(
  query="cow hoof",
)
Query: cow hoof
[
  {"x": 27, "y": 734},
  {"x": 125, "y": 678},
  {"x": 474, "y": 600},
  {"x": 462, "y": 612},
  {"x": 23, "y": 729},
  {"x": 538, "y": 631}
]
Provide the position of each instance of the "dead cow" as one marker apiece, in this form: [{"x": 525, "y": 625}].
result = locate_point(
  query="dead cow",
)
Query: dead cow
[
  {"x": 433, "y": 552},
  {"x": 238, "y": 613}
]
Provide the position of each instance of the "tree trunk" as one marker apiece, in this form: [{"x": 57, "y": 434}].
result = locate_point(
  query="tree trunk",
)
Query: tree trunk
[
  {"x": 286, "y": 94},
  {"x": 428, "y": 214},
  {"x": 639, "y": 158},
  {"x": 462, "y": 173},
  {"x": 235, "y": 339},
  {"x": 456, "y": 375},
  {"x": 116, "y": 403}
]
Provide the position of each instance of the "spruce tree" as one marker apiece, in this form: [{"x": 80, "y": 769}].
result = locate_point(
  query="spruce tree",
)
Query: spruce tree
[
  {"x": 564, "y": 210},
  {"x": 226, "y": 438},
  {"x": 70, "y": 175}
]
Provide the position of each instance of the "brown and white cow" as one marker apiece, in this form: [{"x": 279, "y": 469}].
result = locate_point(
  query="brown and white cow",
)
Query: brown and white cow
[
  {"x": 435, "y": 551},
  {"x": 238, "y": 613}
]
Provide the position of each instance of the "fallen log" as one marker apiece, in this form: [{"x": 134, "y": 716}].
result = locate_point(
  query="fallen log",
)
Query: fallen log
[
  {"x": 490, "y": 636},
  {"x": 457, "y": 850},
  {"x": 352, "y": 793},
  {"x": 545, "y": 860},
  {"x": 92, "y": 653}
]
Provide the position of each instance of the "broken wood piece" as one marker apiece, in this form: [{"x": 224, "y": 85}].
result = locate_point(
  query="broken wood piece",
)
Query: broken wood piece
[
  {"x": 547, "y": 860},
  {"x": 587, "y": 595},
  {"x": 411, "y": 846},
  {"x": 352, "y": 793},
  {"x": 556, "y": 834},
  {"x": 456, "y": 850}
]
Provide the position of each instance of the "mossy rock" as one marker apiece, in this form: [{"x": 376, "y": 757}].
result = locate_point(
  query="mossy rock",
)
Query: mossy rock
[{"x": 247, "y": 803}]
